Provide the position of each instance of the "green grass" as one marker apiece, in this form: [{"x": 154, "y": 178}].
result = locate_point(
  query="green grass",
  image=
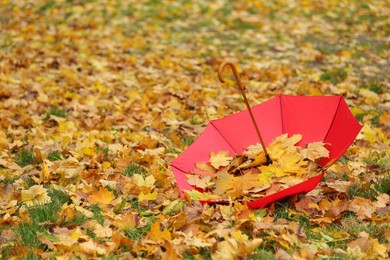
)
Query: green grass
[
  {"x": 47, "y": 6},
  {"x": 48, "y": 213},
  {"x": 172, "y": 150},
  {"x": 371, "y": 190},
  {"x": 204, "y": 253},
  {"x": 105, "y": 150},
  {"x": 54, "y": 156},
  {"x": 28, "y": 234},
  {"x": 135, "y": 233},
  {"x": 55, "y": 111},
  {"x": 187, "y": 141},
  {"x": 25, "y": 157},
  {"x": 78, "y": 220},
  {"x": 374, "y": 86},
  {"x": 44, "y": 213},
  {"x": 383, "y": 184},
  {"x": 334, "y": 76},
  {"x": 97, "y": 213},
  {"x": 261, "y": 254},
  {"x": 134, "y": 169},
  {"x": 91, "y": 234},
  {"x": 350, "y": 224}
]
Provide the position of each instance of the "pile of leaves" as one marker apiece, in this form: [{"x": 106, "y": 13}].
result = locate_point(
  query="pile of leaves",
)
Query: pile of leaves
[
  {"x": 246, "y": 176},
  {"x": 97, "y": 97}
]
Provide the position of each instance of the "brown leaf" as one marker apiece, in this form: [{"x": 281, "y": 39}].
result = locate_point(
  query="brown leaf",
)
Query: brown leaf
[
  {"x": 363, "y": 208},
  {"x": 280, "y": 254}
]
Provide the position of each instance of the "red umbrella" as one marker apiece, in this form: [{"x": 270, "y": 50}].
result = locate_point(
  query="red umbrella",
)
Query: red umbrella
[{"x": 316, "y": 118}]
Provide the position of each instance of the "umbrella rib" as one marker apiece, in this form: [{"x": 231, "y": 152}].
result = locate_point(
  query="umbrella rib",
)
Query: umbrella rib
[
  {"x": 334, "y": 116},
  {"x": 174, "y": 166}
]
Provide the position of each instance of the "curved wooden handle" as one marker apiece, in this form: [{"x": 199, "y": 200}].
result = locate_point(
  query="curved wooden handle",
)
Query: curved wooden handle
[{"x": 242, "y": 89}]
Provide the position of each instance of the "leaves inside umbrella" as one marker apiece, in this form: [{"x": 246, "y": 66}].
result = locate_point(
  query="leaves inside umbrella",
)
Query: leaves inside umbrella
[{"x": 246, "y": 177}]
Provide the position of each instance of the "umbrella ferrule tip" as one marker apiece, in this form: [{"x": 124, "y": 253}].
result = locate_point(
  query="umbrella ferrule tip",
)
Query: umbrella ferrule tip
[{"x": 269, "y": 160}]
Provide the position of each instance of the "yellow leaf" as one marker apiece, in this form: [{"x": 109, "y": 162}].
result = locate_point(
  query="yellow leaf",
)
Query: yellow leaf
[
  {"x": 379, "y": 249},
  {"x": 44, "y": 174},
  {"x": 102, "y": 231},
  {"x": 315, "y": 151},
  {"x": 90, "y": 248},
  {"x": 271, "y": 171},
  {"x": 224, "y": 183},
  {"x": 141, "y": 182},
  {"x": 239, "y": 236},
  {"x": 219, "y": 159},
  {"x": 103, "y": 196},
  {"x": 226, "y": 250},
  {"x": 196, "y": 195},
  {"x": 372, "y": 135},
  {"x": 36, "y": 195},
  {"x": 156, "y": 234},
  {"x": 148, "y": 196},
  {"x": 106, "y": 165},
  {"x": 90, "y": 151},
  {"x": 199, "y": 182}
]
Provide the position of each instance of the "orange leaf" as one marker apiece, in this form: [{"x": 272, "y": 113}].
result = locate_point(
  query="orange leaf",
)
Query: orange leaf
[
  {"x": 156, "y": 234},
  {"x": 103, "y": 196}
]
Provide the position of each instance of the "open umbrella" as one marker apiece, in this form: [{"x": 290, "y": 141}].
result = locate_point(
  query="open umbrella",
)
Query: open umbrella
[{"x": 316, "y": 118}]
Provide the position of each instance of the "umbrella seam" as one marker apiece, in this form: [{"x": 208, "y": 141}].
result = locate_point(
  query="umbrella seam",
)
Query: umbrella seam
[
  {"x": 334, "y": 117},
  {"x": 224, "y": 138}
]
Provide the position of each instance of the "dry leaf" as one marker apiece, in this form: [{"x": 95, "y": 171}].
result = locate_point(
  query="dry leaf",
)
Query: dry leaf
[
  {"x": 102, "y": 196},
  {"x": 219, "y": 159},
  {"x": 35, "y": 195}
]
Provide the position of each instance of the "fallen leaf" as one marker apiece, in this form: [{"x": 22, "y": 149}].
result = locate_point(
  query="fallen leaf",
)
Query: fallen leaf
[
  {"x": 102, "y": 196},
  {"x": 219, "y": 159},
  {"x": 35, "y": 195},
  {"x": 363, "y": 208}
]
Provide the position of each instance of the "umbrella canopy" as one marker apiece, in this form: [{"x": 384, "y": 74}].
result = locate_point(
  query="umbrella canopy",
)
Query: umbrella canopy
[{"x": 316, "y": 118}]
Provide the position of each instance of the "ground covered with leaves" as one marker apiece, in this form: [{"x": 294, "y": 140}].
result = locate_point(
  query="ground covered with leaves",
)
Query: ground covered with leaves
[{"x": 98, "y": 97}]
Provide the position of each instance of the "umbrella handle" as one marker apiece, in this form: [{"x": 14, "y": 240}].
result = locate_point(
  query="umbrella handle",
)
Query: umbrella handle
[{"x": 242, "y": 89}]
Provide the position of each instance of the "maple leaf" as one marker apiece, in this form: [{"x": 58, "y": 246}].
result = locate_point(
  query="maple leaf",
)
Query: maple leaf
[
  {"x": 35, "y": 195},
  {"x": 382, "y": 201},
  {"x": 198, "y": 196},
  {"x": 219, "y": 159},
  {"x": 157, "y": 234},
  {"x": 204, "y": 169},
  {"x": 144, "y": 182},
  {"x": 227, "y": 249},
  {"x": 102, "y": 196},
  {"x": 91, "y": 248},
  {"x": 102, "y": 231},
  {"x": 199, "y": 182},
  {"x": 253, "y": 150},
  {"x": 225, "y": 182},
  {"x": 44, "y": 175},
  {"x": 258, "y": 159},
  {"x": 370, "y": 246},
  {"x": 148, "y": 196},
  {"x": 363, "y": 208},
  {"x": 315, "y": 151}
]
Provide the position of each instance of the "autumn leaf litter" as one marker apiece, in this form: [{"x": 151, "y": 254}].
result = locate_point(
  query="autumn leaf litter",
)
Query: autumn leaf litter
[{"x": 97, "y": 98}]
